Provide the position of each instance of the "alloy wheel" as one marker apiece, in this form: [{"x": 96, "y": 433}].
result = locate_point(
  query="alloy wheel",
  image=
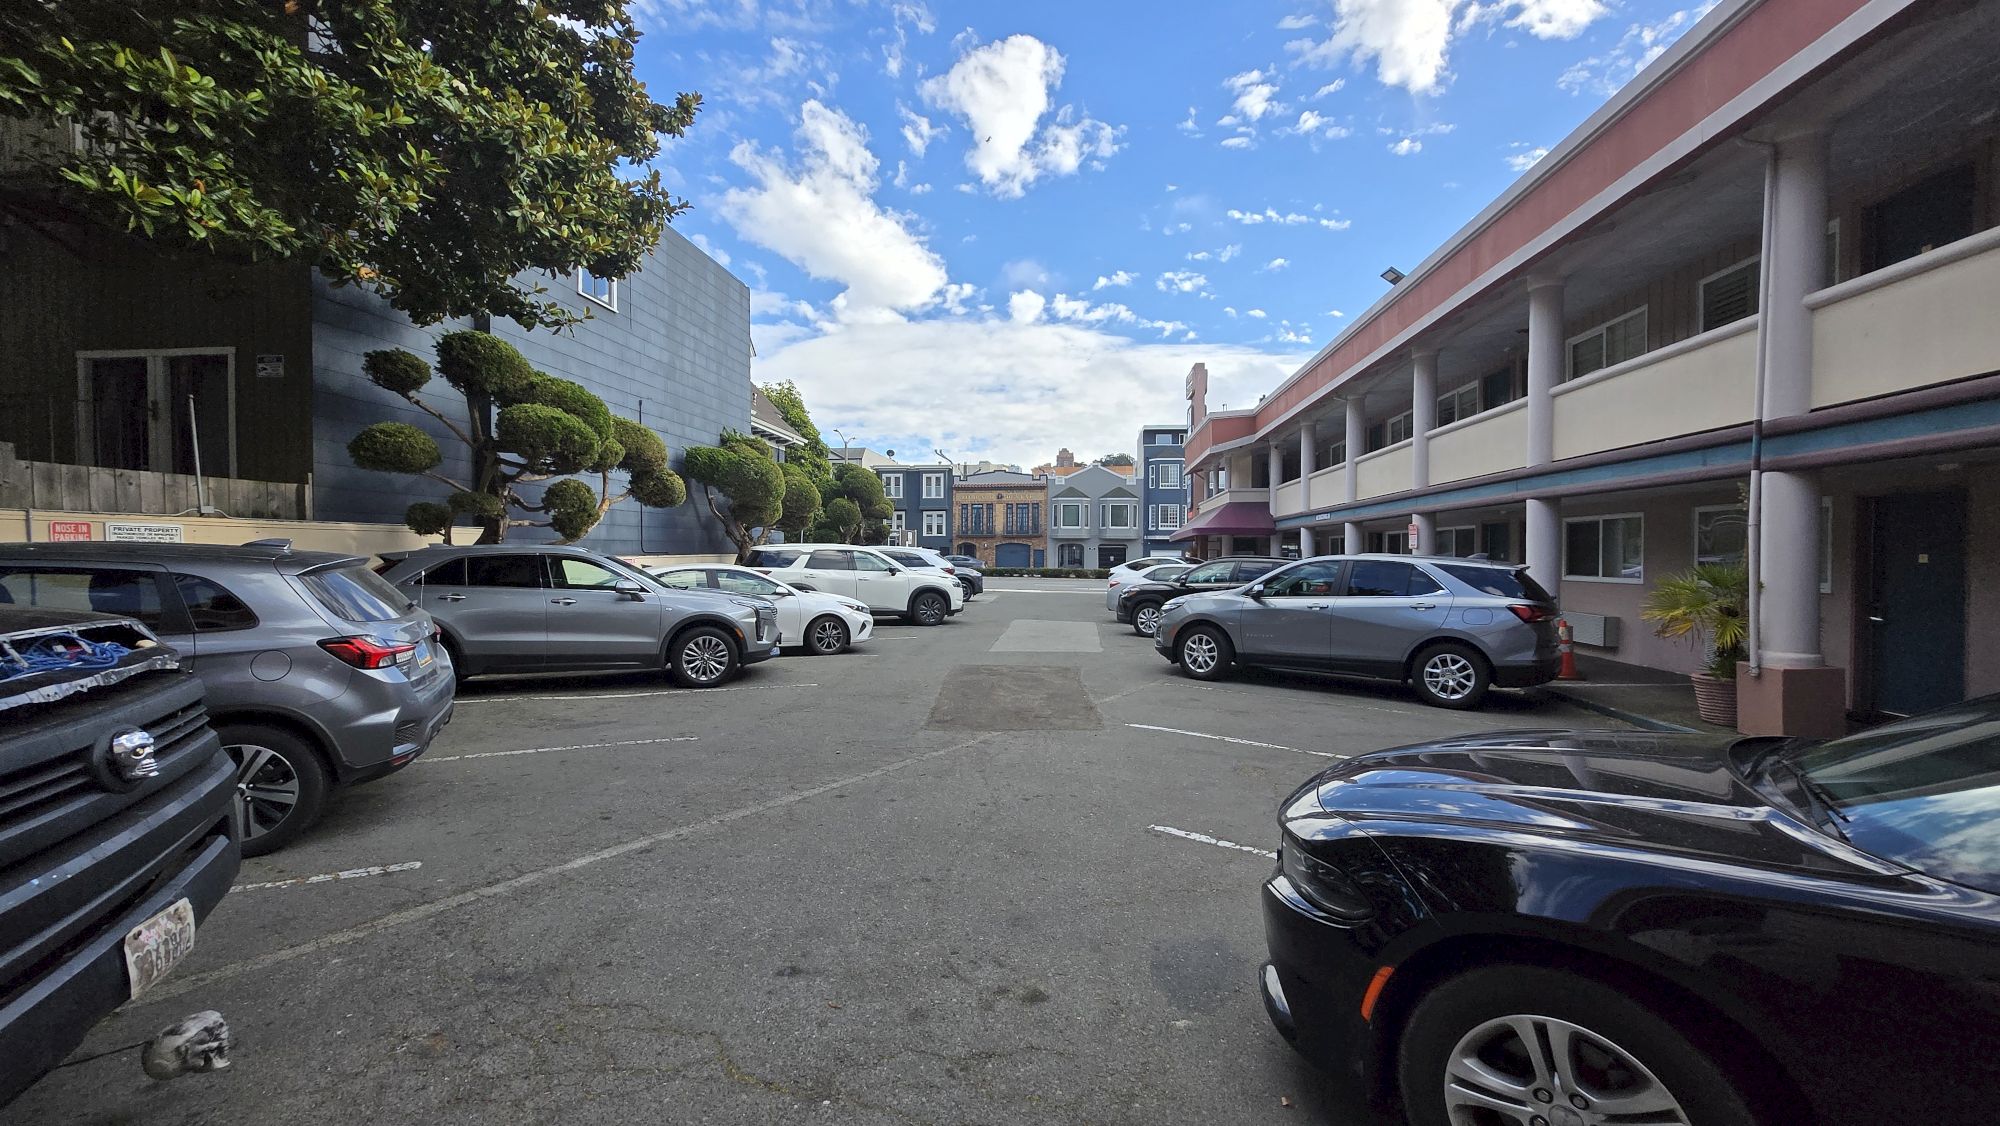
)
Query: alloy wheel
[
  {"x": 930, "y": 610},
  {"x": 828, "y": 636},
  {"x": 1147, "y": 620},
  {"x": 1530, "y": 1070},
  {"x": 705, "y": 658},
  {"x": 267, "y": 790},
  {"x": 1449, "y": 676},
  {"x": 1199, "y": 653}
]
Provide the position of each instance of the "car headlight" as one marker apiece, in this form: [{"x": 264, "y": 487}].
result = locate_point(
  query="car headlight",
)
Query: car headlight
[
  {"x": 857, "y": 607},
  {"x": 1323, "y": 885},
  {"x": 1173, "y": 603}
]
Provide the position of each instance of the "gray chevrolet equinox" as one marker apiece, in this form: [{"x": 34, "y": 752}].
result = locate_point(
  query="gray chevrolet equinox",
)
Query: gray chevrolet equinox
[
  {"x": 317, "y": 673},
  {"x": 506, "y": 608},
  {"x": 1452, "y": 628}
]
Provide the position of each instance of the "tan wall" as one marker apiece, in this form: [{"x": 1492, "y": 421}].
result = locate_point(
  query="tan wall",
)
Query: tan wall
[
  {"x": 1485, "y": 443},
  {"x": 1328, "y": 487},
  {"x": 1290, "y": 498},
  {"x": 1382, "y": 472},
  {"x": 1929, "y": 327},
  {"x": 1708, "y": 386},
  {"x": 18, "y": 524}
]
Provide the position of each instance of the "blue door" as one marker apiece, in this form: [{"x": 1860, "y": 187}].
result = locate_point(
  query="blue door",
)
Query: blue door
[{"x": 1012, "y": 555}]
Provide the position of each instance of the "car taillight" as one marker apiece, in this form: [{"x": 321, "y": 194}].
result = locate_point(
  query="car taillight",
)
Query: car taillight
[
  {"x": 366, "y": 652},
  {"x": 951, "y": 570},
  {"x": 1531, "y": 614},
  {"x": 1114, "y": 584}
]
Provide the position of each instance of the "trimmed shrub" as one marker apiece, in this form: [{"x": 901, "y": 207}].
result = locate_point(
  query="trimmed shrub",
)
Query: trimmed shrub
[
  {"x": 547, "y": 436},
  {"x": 395, "y": 447},
  {"x": 482, "y": 362},
  {"x": 427, "y": 518},
  {"x": 393, "y": 369}
]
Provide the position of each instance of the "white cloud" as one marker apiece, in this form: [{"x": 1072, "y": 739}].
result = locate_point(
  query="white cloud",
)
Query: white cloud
[
  {"x": 1257, "y": 313},
  {"x": 1330, "y": 88},
  {"x": 1268, "y": 215},
  {"x": 1003, "y": 91},
  {"x": 1300, "y": 335},
  {"x": 1008, "y": 381},
  {"x": 1191, "y": 127},
  {"x": 1314, "y": 123},
  {"x": 1295, "y": 22},
  {"x": 720, "y": 255},
  {"x": 1407, "y": 146},
  {"x": 1410, "y": 41},
  {"x": 919, "y": 189},
  {"x": 1238, "y": 142},
  {"x": 1230, "y": 309},
  {"x": 918, "y": 130},
  {"x": 1180, "y": 281},
  {"x": 1025, "y": 307},
  {"x": 819, "y": 212},
  {"x": 1077, "y": 310},
  {"x": 1254, "y": 94},
  {"x": 1277, "y": 264},
  {"x": 1116, "y": 277},
  {"x": 1025, "y": 273},
  {"x": 1222, "y": 255},
  {"x": 1176, "y": 228},
  {"x": 1526, "y": 158},
  {"x": 1638, "y": 47},
  {"x": 1335, "y": 313},
  {"x": 904, "y": 16},
  {"x": 1335, "y": 224}
]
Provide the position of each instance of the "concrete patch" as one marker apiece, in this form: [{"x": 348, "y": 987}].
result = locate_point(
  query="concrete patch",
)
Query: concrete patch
[
  {"x": 1014, "y": 698},
  {"x": 1034, "y": 635}
]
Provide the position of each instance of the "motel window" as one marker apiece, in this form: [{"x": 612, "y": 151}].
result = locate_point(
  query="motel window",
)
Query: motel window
[
  {"x": 604, "y": 291},
  {"x": 1720, "y": 534},
  {"x": 1461, "y": 542},
  {"x": 1070, "y": 513},
  {"x": 1610, "y": 343},
  {"x": 1331, "y": 452},
  {"x": 1498, "y": 388},
  {"x": 934, "y": 522},
  {"x": 1388, "y": 432},
  {"x": 1923, "y": 217},
  {"x": 1455, "y": 405},
  {"x": 1389, "y": 543},
  {"x": 933, "y": 486},
  {"x": 1729, "y": 295},
  {"x": 1288, "y": 462},
  {"x": 1608, "y": 549},
  {"x": 892, "y": 486}
]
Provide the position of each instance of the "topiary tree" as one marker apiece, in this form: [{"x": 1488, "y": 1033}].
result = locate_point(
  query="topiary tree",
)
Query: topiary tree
[
  {"x": 757, "y": 494},
  {"x": 813, "y": 457},
  {"x": 870, "y": 507},
  {"x": 521, "y": 426}
]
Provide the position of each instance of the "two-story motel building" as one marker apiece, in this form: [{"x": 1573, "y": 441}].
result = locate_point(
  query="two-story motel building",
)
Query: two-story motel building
[{"x": 1750, "y": 308}]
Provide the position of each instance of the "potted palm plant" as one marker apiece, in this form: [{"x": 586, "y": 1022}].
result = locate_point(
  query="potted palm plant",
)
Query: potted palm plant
[{"x": 1707, "y": 607}]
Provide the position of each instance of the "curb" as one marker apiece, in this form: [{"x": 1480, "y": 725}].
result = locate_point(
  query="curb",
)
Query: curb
[{"x": 1645, "y": 722}]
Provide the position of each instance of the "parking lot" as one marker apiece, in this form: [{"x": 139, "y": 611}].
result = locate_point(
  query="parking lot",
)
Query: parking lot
[{"x": 1002, "y": 870}]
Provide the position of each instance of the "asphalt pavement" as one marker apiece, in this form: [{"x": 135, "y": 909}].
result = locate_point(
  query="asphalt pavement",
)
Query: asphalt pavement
[{"x": 939, "y": 879}]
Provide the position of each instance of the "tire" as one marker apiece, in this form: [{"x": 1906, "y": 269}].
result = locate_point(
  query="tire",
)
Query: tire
[
  {"x": 1205, "y": 653},
  {"x": 281, "y": 785},
  {"x": 1450, "y": 675},
  {"x": 458, "y": 674},
  {"x": 1146, "y": 618},
  {"x": 929, "y": 608},
  {"x": 1621, "y": 1049},
  {"x": 702, "y": 657},
  {"x": 825, "y": 635},
  {"x": 967, "y": 587}
]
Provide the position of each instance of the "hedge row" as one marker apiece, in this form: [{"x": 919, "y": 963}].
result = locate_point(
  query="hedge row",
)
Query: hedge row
[{"x": 1047, "y": 573}]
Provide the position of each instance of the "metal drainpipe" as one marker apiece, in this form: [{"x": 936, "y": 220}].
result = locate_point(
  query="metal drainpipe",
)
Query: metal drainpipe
[{"x": 1752, "y": 552}]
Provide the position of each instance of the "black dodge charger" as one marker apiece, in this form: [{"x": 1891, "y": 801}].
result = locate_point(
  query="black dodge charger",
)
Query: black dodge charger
[{"x": 1587, "y": 929}]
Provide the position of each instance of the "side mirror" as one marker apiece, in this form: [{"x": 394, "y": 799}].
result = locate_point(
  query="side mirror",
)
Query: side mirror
[
  {"x": 1255, "y": 590},
  {"x": 632, "y": 591},
  {"x": 895, "y": 570}
]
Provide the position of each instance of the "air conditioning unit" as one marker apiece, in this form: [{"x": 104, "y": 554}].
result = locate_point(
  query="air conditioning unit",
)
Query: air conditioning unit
[{"x": 1600, "y": 630}]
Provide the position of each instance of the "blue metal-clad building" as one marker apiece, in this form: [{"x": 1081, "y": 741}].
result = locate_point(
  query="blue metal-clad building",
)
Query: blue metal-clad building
[
  {"x": 1163, "y": 495},
  {"x": 922, "y": 496}
]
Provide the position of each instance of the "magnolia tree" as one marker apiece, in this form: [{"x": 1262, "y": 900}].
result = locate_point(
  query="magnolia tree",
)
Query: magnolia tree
[
  {"x": 749, "y": 494},
  {"x": 520, "y": 426}
]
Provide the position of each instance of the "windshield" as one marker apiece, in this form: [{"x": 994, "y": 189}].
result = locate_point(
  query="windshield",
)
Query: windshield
[{"x": 1924, "y": 792}]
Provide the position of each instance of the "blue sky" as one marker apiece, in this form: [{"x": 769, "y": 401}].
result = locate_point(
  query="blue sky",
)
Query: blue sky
[{"x": 1000, "y": 229}]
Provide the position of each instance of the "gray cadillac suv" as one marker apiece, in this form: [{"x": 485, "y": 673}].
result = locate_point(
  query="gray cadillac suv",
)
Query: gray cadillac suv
[
  {"x": 1452, "y": 628},
  {"x": 317, "y": 673},
  {"x": 508, "y": 608}
]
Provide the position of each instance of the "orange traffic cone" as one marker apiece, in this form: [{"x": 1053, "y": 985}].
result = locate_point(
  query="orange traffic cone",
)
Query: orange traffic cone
[{"x": 1566, "y": 642}]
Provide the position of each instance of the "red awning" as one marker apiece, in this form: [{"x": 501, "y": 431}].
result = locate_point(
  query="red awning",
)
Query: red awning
[{"x": 1238, "y": 518}]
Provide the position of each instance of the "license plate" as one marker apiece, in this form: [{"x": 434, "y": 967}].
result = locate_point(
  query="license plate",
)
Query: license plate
[
  {"x": 423, "y": 653},
  {"x": 154, "y": 947}
]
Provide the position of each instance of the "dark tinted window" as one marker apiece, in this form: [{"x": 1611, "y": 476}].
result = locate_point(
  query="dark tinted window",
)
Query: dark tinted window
[
  {"x": 1304, "y": 581},
  {"x": 683, "y": 580},
  {"x": 908, "y": 558},
  {"x": 523, "y": 571},
  {"x": 356, "y": 594},
  {"x": 772, "y": 557},
  {"x": 212, "y": 608},
  {"x": 1498, "y": 582},
  {"x": 1211, "y": 573},
  {"x": 1423, "y": 582},
  {"x": 449, "y": 573},
  {"x": 134, "y": 594},
  {"x": 1382, "y": 578},
  {"x": 827, "y": 559},
  {"x": 1254, "y": 569}
]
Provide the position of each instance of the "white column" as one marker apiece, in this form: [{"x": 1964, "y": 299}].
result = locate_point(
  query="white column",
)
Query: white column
[
  {"x": 1788, "y": 536},
  {"x": 1308, "y": 437},
  {"x": 1306, "y": 550},
  {"x": 1274, "y": 459},
  {"x": 1357, "y": 436},
  {"x": 1356, "y": 540},
  {"x": 1544, "y": 542},
  {"x": 1426, "y": 541},
  {"x": 1545, "y": 365},
  {"x": 1423, "y": 415}
]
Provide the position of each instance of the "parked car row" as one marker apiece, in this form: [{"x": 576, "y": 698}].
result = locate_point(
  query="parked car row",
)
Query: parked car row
[{"x": 1451, "y": 628}]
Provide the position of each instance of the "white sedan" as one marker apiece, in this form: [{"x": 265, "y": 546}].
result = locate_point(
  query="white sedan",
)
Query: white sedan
[{"x": 816, "y": 622}]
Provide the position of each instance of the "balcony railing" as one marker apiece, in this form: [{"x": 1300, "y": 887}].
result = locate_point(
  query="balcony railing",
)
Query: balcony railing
[
  {"x": 1921, "y": 321},
  {"x": 1697, "y": 384},
  {"x": 1485, "y": 443},
  {"x": 1385, "y": 471},
  {"x": 1291, "y": 497},
  {"x": 1327, "y": 487}
]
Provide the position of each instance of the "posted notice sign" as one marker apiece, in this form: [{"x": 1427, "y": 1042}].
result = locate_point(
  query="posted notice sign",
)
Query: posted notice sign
[
  {"x": 62, "y": 531},
  {"x": 143, "y": 533}
]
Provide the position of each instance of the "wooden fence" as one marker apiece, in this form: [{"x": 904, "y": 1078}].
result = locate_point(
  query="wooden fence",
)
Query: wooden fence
[{"x": 91, "y": 488}]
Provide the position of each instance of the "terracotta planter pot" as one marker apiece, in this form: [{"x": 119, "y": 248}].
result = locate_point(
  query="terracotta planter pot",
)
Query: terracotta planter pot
[{"x": 1715, "y": 698}]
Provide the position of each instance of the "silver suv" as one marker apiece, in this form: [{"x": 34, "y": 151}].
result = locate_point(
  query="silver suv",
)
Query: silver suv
[
  {"x": 1451, "y": 627},
  {"x": 507, "y": 608},
  {"x": 317, "y": 673}
]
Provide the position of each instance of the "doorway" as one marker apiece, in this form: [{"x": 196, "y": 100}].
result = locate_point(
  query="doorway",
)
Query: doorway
[
  {"x": 1110, "y": 555},
  {"x": 1912, "y": 629},
  {"x": 143, "y": 410}
]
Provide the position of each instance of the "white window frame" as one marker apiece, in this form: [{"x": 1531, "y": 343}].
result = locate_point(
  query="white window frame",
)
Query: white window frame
[
  {"x": 934, "y": 522},
  {"x": 1131, "y": 514},
  {"x": 1170, "y": 475},
  {"x": 1082, "y": 514},
  {"x": 1694, "y": 531},
  {"x": 609, "y": 300},
  {"x": 1600, "y": 519},
  {"x": 1459, "y": 393},
  {"x": 897, "y": 520},
  {"x": 1453, "y": 532},
  {"x": 892, "y": 485},
  {"x": 1152, "y": 475},
  {"x": 933, "y": 486},
  {"x": 1171, "y": 517},
  {"x": 1833, "y": 252},
  {"x": 1569, "y": 346},
  {"x": 1701, "y": 292}
]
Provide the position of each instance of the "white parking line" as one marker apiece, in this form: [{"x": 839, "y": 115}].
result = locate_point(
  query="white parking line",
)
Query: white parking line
[
  {"x": 576, "y": 747},
  {"x": 328, "y": 877},
  {"x": 1218, "y": 842},
  {"x": 1228, "y": 739},
  {"x": 629, "y": 695}
]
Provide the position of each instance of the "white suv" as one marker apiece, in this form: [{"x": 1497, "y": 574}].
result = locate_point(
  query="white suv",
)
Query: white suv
[{"x": 865, "y": 575}]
